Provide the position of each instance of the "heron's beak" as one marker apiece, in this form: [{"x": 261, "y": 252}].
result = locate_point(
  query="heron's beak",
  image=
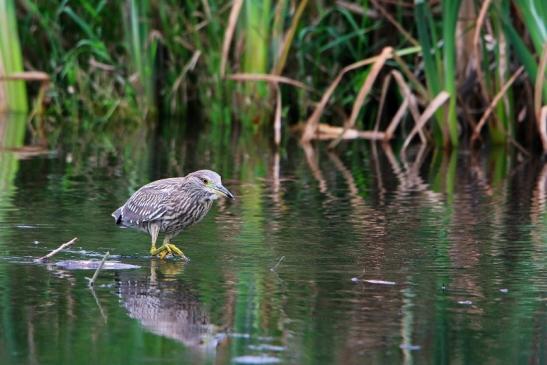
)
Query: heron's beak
[{"x": 225, "y": 192}]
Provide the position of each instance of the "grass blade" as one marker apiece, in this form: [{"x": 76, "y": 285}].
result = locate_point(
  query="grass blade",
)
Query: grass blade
[
  {"x": 11, "y": 58},
  {"x": 228, "y": 35},
  {"x": 542, "y": 126},
  {"x": 431, "y": 71},
  {"x": 540, "y": 81},
  {"x": 450, "y": 16},
  {"x": 521, "y": 51},
  {"x": 497, "y": 98},
  {"x": 287, "y": 42}
]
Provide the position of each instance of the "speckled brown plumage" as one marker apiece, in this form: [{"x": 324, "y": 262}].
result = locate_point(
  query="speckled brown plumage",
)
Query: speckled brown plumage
[{"x": 171, "y": 205}]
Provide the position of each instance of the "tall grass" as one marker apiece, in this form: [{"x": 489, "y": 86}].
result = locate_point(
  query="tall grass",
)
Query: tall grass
[
  {"x": 534, "y": 16},
  {"x": 440, "y": 67},
  {"x": 257, "y": 25},
  {"x": 11, "y": 60},
  {"x": 427, "y": 37},
  {"x": 169, "y": 54},
  {"x": 450, "y": 11},
  {"x": 142, "y": 46}
]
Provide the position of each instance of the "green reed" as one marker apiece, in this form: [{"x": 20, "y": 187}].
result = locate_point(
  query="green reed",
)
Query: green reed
[
  {"x": 11, "y": 59},
  {"x": 142, "y": 48},
  {"x": 166, "y": 55},
  {"x": 450, "y": 10},
  {"x": 257, "y": 36},
  {"x": 255, "y": 32},
  {"x": 534, "y": 16},
  {"x": 440, "y": 67}
]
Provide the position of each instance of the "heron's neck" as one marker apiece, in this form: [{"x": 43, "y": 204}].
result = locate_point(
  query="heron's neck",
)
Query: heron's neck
[{"x": 207, "y": 197}]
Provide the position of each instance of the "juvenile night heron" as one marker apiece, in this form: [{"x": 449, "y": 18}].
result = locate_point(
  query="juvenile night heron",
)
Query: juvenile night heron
[{"x": 169, "y": 206}]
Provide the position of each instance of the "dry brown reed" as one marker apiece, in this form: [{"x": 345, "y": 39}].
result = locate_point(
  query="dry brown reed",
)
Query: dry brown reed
[
  {"x": 364, "y": 91},
  {"x": 269, "y": 78},
  {"x": 313, "y": 121},
  {"x": 493, "y": 103},
  {"x": 288, "y": 39},
  {"x": 433, "y": 106},
  {"x": 228, "y": 35}
]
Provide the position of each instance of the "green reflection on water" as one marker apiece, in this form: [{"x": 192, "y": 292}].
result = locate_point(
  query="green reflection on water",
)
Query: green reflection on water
[{"x": 461, "y": 235}]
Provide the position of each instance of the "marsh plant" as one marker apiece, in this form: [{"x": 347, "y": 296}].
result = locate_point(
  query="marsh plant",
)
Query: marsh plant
[{"x": 451, "y": 72}]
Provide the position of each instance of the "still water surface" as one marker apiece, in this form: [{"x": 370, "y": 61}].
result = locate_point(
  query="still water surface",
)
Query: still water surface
[{"x": 359, "y": 257}]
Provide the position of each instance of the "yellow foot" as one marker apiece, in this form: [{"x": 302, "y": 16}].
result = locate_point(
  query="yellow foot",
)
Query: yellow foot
[{"x": 168, "y": 249}]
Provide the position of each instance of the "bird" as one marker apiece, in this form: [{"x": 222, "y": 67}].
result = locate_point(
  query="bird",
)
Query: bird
[{"x": 169, "y": 206}]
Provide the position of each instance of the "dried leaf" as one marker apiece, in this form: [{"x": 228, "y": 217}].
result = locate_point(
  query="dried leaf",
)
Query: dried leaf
[
  {"x": 386, "y": 53},
  {"x": 396, "y": 120},
  {"x": 278, "y": 69},
  {"x": 313, "y": 121},
  {"x": 326, "y": 132},
  {"x": 26, "y": 76},
  {"x": 385, "y": 86},
  {"x": 428, "y": 113},
  {"x": 228, "y": 35},
  {"x": 412, "y": 104},
  {"x": 268, "y": 78},
  {"x": 494, "y": 102}
]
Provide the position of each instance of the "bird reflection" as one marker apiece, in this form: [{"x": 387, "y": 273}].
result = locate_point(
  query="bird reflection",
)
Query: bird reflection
[{"x": 166, "y": 307}]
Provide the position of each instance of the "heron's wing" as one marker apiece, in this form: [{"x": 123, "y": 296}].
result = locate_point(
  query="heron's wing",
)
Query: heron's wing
[{"x": 150, "y": 202}]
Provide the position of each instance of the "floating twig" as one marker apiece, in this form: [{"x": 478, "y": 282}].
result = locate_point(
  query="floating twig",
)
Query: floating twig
[
  {"x": 380, "y": 282},
  {"x": 57, "y": 250},
  {"x": 372, "y": 281},
  {"x": 278, "y": 263},
  {"x": 92, "y": 280}
]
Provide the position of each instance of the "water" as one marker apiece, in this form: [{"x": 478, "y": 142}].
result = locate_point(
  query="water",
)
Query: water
[{"x": 363, "y": 256}]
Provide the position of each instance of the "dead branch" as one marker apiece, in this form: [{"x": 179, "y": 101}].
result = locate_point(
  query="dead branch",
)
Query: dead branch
[{"x": 56, "y": 251}]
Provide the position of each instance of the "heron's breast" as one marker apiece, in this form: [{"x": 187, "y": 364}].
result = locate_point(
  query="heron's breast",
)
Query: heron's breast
[{"x": 187, "y": 215}]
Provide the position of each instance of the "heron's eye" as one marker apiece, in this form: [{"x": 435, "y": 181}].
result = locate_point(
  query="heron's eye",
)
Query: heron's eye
[{"x": 205, "y": 181}]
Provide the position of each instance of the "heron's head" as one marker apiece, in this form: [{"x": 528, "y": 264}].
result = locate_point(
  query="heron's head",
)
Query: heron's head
[{"x": 210, "y": 181}]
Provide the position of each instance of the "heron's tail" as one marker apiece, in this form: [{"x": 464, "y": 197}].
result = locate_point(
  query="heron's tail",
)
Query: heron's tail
[{"x": 118, "y": 216}]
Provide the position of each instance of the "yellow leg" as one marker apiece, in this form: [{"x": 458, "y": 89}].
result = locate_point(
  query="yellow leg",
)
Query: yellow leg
[
  {"x": 163, "y": 254},
  {"x": 154, "y": 230},
  {"x": 161, "y": 251},
  {"x": 169, "y": 248}
]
